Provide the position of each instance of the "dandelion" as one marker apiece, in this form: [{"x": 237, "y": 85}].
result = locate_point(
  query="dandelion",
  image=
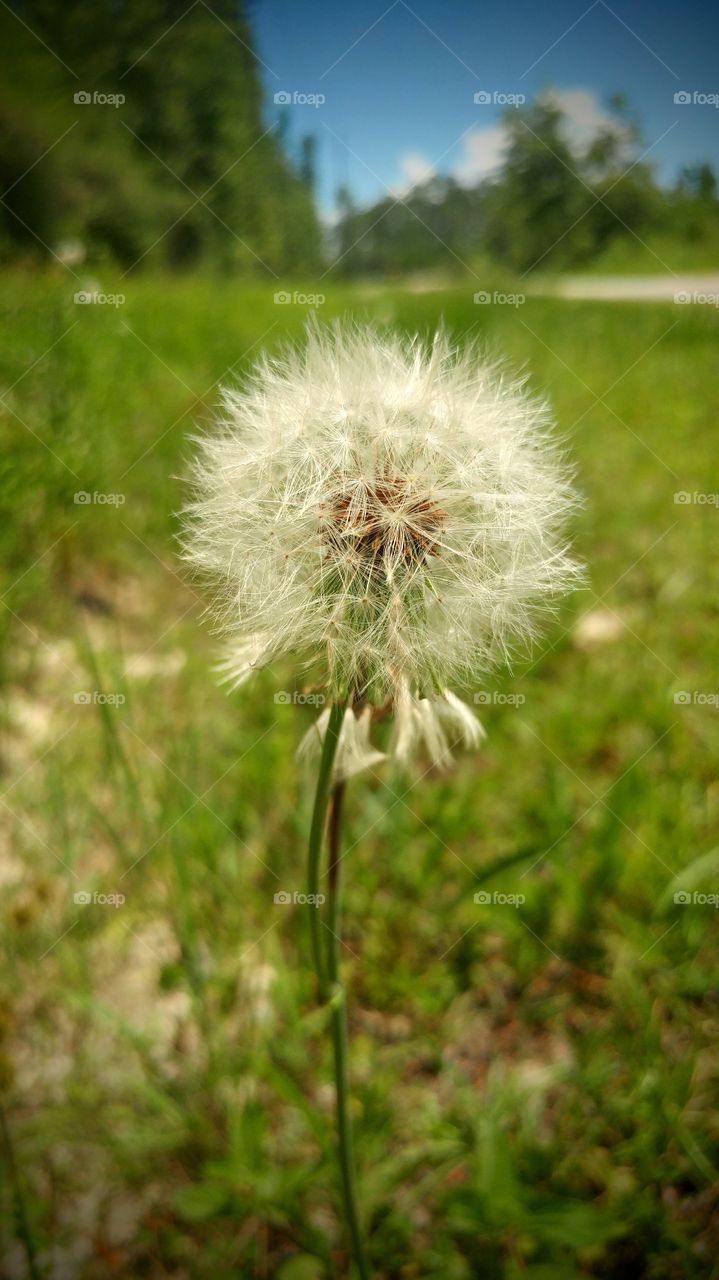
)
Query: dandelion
[{"x": 388, "y": 513}]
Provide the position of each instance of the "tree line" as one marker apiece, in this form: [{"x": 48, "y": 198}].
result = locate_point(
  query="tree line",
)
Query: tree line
[
  {"x": 550, "y": 206},
  {"x": 134, "y": 130}
]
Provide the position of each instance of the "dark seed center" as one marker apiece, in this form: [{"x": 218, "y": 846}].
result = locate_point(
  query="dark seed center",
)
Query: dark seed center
[{"x": 385, "y": 521}]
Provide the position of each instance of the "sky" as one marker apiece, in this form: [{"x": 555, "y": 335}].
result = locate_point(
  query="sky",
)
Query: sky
[{"x": 388, "y": 88}]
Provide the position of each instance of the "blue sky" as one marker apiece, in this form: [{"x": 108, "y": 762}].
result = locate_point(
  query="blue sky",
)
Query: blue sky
[{"x": 399, "y": 80}]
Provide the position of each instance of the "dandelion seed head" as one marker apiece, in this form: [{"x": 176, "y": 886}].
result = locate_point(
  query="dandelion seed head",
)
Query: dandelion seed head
[{"x": 387, "y": 511}]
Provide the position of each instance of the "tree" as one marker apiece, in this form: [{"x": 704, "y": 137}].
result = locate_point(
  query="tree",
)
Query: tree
[
  {"x": 184, "y": 168},
  {"x": 698, "y": 182}
]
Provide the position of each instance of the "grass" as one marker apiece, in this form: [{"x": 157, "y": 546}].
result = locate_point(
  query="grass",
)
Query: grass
[
  {"x": 656, "y": 254},
  {"x": 533, "y": 1085}
]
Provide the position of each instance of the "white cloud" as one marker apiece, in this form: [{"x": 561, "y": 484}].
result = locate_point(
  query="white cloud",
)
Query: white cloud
[
  {"x": 584, "y": 118},
  {"x": 416, "y": 169},
  {"x": 483, "y": 149},
  {"x": 482, "y": 154}
]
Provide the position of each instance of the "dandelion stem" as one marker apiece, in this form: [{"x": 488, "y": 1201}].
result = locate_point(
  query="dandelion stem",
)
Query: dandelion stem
[
  {"x": 334, "y": 836},
  {"x": 338, "y": 1022},
  {"x": 319, "y": 817},
  {"x": 330, "y": 988}
]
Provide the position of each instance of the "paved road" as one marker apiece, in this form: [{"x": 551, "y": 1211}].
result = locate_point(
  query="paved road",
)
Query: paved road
[{"x": 702, "y": 288}]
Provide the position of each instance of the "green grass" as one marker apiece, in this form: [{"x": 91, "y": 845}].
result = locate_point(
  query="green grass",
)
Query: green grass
[
  {"x": 656, "y": 254},
  {"x": 533, "y": 1086}
]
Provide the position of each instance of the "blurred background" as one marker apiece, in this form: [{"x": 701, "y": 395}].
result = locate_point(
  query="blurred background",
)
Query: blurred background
[{"x": 534, "y": 1070}]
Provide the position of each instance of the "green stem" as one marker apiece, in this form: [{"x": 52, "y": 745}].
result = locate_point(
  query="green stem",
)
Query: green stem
[
  {"x": 330, "y": 989},
  {"x": 319, "y": 816},
  {"x": 338, "y": 1023},
  {"x": 334, "y": 835}
]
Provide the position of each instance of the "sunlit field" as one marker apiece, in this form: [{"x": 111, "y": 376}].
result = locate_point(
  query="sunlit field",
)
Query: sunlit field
[{"x": 532, "y": 1072}]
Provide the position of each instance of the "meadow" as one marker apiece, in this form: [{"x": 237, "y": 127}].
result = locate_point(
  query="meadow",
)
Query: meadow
[{"x": 534, "y": 1074}]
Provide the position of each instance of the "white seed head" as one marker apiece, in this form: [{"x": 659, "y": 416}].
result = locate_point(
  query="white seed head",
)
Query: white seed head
[{"x": 388, "y": 512}]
